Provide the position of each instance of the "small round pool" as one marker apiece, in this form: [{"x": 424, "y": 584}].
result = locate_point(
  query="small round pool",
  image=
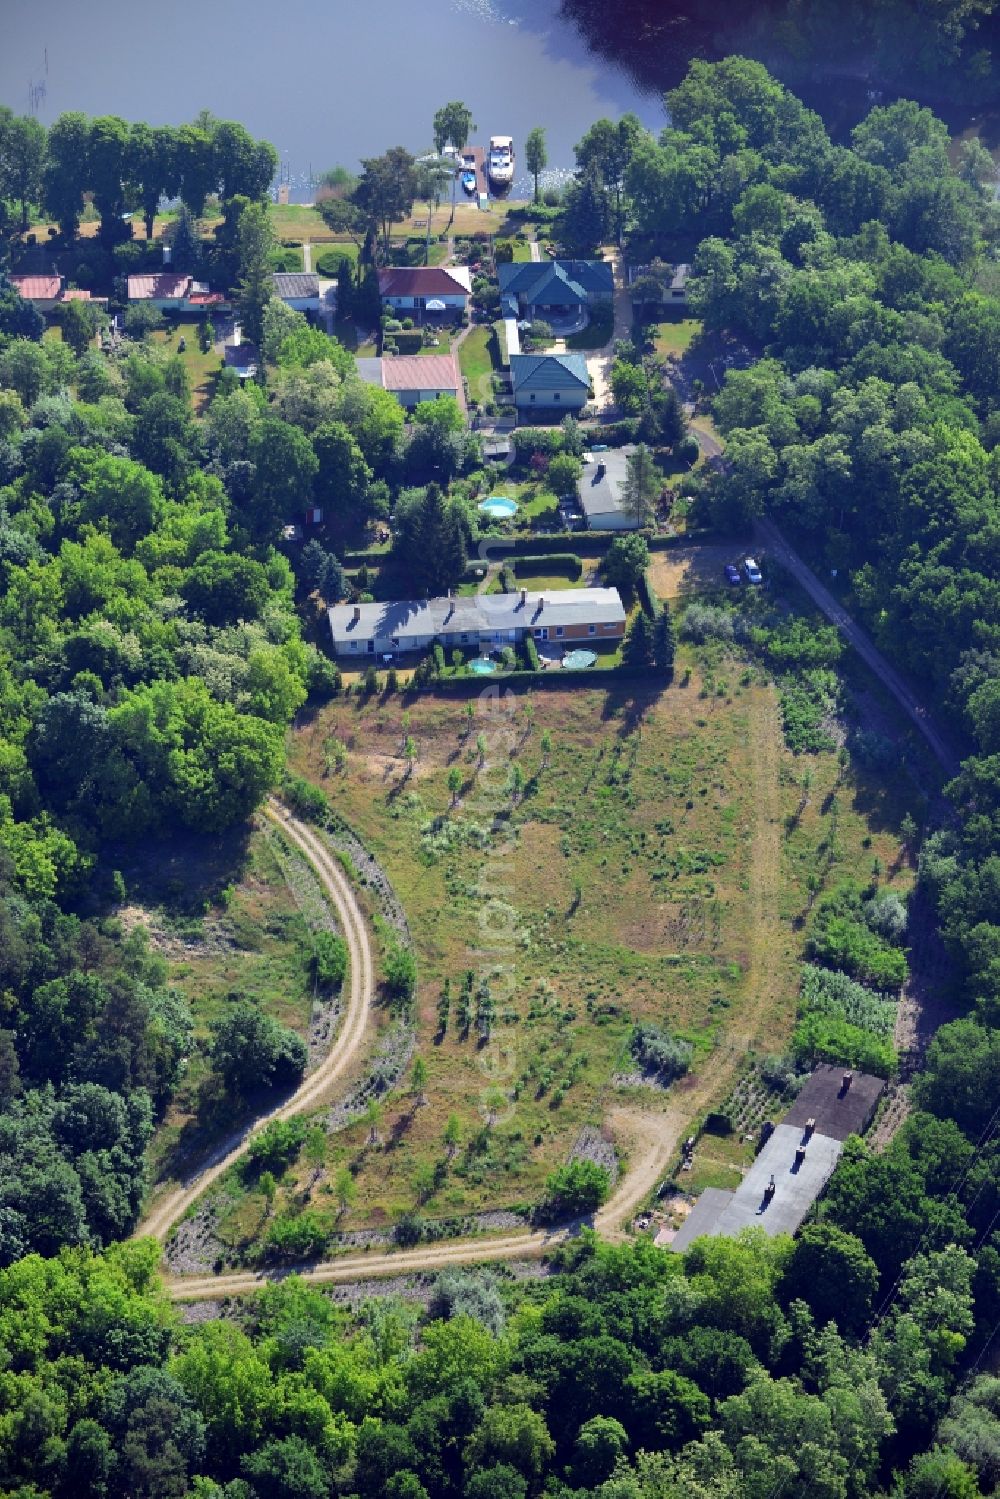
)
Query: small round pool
[
  {"x": 482, "y": 666},
  {"x": 577, "y": 660},
  {"x": 499, "y": 507}
]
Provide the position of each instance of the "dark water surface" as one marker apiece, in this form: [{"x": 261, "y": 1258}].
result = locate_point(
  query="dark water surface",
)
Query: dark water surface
[{"x": 326, "y": 82}]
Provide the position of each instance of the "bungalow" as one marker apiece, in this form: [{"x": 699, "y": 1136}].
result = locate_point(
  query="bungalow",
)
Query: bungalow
[
  {"x": 426, "y": 288},
  {"x": 551, "y": 289},
  {"x": 241, "y": 357},
  {"x": 174, "y": 291},
  {"x": 42, "y": 291},
  {"x": 654, "y": 287},
  {"x": 413, "y": 378},
  {"x": 602, "y": 491},
  {"x": 548, "y": 380},
  {"x": 46, "y": 293},
  {"x": 485, "y": 621},
  {"x": 297, "y": 289}
]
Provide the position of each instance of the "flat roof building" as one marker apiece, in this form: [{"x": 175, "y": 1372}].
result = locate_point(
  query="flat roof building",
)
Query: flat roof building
[
  {"x": 795, "y": 1163},
  {"x": 490, "y": 621}
]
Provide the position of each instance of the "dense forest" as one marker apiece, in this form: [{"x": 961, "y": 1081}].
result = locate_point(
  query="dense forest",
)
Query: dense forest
[{"x": 155, "y": 642}]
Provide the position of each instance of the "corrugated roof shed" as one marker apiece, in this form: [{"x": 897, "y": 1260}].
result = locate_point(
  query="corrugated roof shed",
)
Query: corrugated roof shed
[{"x": 159, "y": 286}]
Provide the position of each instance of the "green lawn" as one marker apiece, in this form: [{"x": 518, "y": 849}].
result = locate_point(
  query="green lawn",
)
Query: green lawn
[
  {"x": 522, "y": 250},
  {"x": 479, "y": 357},
  {"x": 325, "y": 262},
  {"x": 297, "y": 221},
  {"x": 203, "y": 369},
  {"x": 675, "y": 337},
  {"x": 597, "y": 331}
]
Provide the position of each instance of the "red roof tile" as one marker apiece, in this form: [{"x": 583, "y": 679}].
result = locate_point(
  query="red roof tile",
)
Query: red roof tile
[
  {"x": 423, "y": 281},
  {"x": 37, "y": 288},
  {"x": 160, "y": 286},
  {"x": 421, "y": 372},
  {"x": 74, "y": 294}
]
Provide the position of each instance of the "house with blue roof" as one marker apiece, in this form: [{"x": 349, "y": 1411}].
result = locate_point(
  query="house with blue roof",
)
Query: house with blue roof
[
  {"x": 546, "y": 381},
  {"x": 553, "y": 288}
]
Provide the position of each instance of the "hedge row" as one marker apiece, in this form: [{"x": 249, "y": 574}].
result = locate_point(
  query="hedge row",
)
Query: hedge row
[
  {"x": 550, "y": 543},
  {"x": 567, "y": 564},
  {"x": 648, "y": 597}
]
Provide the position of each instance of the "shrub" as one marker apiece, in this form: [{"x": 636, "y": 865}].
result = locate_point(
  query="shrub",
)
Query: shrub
[
  {"x": 657, "y": 1051},
  {"x": 301, "y": 1235},
  {"x": 305, "y": 799},
  {"x": 886, "y": 914},
  {"x": 578, "y": 1187},
  {"x": 531, "y": 653},
  {"x": 437, "y": 652},
  {"x": 410, "y": 1229},
  {"x": 329, "y": 959},
  {"x": 843, "y": 942},
  {"x": 278, "y": 1143},
  {"x": 399, "y": 971},
  {"x": 701, "y": 622},
  {"x": 328, "y": 264}
]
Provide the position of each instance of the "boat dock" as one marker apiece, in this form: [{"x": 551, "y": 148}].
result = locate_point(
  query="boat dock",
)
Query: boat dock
[{"x": 474, "y": 158}]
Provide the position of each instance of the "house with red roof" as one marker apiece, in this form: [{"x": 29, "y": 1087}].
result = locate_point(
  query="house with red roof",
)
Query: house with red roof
[
  {"x": 48, "y": 292},
  {"x": 42, "y": 291},
  {"x": 426, "y": 288},
  {"x": 174, "y": 291},
  {"x": 413, "y": 378}
]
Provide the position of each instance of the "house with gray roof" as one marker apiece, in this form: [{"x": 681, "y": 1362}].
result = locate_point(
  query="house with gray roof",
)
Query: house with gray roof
[
  {"x": 581, "y": 616},
  {"x": 297, "y": 289},
  {"x": 795, "y": 1161},
  {"x": 553, "y": 288},
  {"x": 546, "y": 381},
  {"x": 602, "y": 491}
]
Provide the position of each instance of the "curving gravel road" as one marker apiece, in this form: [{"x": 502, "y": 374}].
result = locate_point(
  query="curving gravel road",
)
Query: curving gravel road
[
  {"x": 656, "y": 1137},
  {"x": 167, "y": 1209}
]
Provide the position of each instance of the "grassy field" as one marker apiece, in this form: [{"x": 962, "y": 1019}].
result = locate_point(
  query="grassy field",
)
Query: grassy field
[
  {"x": 203, "y": 369},
  {"x": 618, "y": 885}
]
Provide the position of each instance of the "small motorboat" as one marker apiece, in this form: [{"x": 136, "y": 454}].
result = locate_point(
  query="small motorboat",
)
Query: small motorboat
[{"x": 468, "y": 180}]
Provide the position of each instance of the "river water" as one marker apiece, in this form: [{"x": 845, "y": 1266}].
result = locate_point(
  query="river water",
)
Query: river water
[{"x": 327, "y": 83}]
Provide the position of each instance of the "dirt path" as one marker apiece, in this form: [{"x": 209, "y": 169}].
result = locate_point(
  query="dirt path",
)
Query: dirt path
[
  {"x": 858, "y": 638},
  {"x": 316, "y": 1086}
]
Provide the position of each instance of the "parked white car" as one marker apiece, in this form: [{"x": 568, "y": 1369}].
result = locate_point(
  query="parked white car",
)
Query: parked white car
[{"x": 753, "y": 572}]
